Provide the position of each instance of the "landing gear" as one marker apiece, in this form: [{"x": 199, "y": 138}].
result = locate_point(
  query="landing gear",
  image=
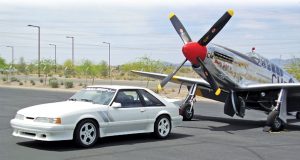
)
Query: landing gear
[
  {"x": 278, "y": 124},
  {"x": 277, "y": 118},
  {"x": 187, "y": 112},
  {"x": 186, "y": 108},
  {"x": 275, "y": 123},
  {"x": 242, "y": 107}
]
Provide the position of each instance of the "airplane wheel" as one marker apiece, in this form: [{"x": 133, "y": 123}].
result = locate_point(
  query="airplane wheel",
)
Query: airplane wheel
[
  {"x": 298, "y": 115},
  {"x": 278, "y": 124},
  {"x": 188, "y": 114},
  {"x": 242, "y": 107},
  {"x": 275, "y": 122}
]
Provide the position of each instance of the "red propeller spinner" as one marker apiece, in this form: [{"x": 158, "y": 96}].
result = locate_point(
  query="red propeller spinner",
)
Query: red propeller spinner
[{"x": 193, "y": 50}]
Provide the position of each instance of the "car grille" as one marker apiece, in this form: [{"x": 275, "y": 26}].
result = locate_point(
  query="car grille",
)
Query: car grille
[
  {"x": 28, "y": 134},
  {"x": 30, "y": 118}
]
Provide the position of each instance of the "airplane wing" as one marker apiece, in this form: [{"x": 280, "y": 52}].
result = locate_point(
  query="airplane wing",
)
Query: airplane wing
[
  {"x": 176, "y": 79},
  {"x": 203, "y": 87},
  {"x": 290, "y": 90},
  {"x": 270, "y": 86}
]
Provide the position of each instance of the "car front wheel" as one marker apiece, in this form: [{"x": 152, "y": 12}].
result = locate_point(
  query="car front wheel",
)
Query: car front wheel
[
  {"x": 86, "y": 133},
  {"x": 162, "y": 127}
]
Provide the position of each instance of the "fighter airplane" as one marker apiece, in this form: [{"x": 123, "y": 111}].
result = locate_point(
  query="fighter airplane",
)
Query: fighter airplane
[{"x": 241, "y": 81}]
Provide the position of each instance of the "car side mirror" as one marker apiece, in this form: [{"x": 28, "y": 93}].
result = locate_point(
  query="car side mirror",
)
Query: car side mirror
[{"x": 116, "y": 105}]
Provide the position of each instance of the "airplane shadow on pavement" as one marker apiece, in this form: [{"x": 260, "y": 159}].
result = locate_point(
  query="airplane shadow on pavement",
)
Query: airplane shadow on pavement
[
  {"x": 62, "y": 146},
  {"x": 238, "y": 124}
]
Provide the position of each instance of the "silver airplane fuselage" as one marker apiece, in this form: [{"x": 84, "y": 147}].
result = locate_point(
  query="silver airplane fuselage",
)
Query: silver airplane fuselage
[{"x": 233, "y": 70}]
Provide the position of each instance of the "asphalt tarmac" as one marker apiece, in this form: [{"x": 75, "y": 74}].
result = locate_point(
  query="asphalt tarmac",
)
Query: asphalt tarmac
[{"x": 210, "y": 136}]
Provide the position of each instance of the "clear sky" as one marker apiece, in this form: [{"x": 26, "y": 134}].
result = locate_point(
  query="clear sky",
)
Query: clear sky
[{"x": 136, "y": 28}]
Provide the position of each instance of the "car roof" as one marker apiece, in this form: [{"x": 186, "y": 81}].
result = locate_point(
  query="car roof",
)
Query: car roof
[{"x": 115, "y": 87}]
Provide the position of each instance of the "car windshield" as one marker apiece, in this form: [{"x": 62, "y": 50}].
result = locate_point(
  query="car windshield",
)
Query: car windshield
[{"x": 96, "y": 95}]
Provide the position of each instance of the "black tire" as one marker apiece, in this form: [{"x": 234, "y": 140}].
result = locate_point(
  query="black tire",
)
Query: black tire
[
  {"x": 298, "y": 115},
  {"x": 187, "y": 114},
  {"x": 86, "y": 133},
  {"x": 242, "y": 107},
  {"x": 275, "y": 122},
  {"x": 162, "y": 127}
]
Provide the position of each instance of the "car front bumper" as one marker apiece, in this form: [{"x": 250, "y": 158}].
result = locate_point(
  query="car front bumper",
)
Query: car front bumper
[{"x": 41, "y": 131}]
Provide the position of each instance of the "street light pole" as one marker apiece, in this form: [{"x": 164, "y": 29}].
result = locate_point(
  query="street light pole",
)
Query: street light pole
[
  {"x": 109, "y": 76},
  {"x": 54, "y": 55},
  {"x": 39, "y": 46},
  {"x": 72, "y": 48},
  {"x": 12, "y": 56}
]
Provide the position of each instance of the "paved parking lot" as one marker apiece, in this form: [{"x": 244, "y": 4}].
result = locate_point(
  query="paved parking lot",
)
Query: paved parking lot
[{"x": 210, "y": 136}]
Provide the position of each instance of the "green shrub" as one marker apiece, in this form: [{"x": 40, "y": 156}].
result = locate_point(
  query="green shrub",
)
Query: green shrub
[
  {"x": 14, "y": 79},
  {"x": 53, "y": 82},
  {"x": 20, "y": 83},
  {"x": 61, "y": 83},
  {"x": 4, "y": 79},
  {"x": 69, "y": 84},
  {"x": 80, "y": 84},
  {"x": 52, "y": 79},
  {"x": 41, "y": 80},
  {"x": 32, "y": 82}
]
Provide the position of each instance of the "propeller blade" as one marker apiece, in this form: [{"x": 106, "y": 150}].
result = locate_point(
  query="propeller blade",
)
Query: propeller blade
[
  {"x": 170, "y": 76},
  {"x": 210, "y": 78},
  {"x": 216, "y": 28},
  {"x": 179, "y": 28}
]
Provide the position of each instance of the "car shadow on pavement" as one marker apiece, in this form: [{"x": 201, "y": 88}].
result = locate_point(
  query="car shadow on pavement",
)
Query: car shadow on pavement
[
  {"x": 238, "y": 124},
  {"x": 62, "y": 146}
]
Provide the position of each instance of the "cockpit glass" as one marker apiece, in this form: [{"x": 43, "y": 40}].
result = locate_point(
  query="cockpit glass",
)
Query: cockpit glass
[{"x": 255, "y": 57}]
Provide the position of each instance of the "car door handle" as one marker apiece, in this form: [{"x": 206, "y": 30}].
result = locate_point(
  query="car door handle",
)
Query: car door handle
[{"x": 142, "y": 110}]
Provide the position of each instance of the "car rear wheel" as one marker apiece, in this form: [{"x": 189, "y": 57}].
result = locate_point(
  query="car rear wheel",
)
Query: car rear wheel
[
  {"x": 162, "y": 127},
  {"x": 86, "y": 133}
]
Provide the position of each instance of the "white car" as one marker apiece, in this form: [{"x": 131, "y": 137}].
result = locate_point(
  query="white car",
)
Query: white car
[{"x": 98, "y": 111}]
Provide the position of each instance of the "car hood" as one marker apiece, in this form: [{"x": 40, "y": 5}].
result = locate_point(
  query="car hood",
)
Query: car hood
[{"x": 58, "y": 109}]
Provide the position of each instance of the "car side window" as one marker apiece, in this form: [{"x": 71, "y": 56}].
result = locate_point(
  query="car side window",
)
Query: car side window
[
  {"x": 149, "y": 99},
  {"x": 128, "y": 99}
]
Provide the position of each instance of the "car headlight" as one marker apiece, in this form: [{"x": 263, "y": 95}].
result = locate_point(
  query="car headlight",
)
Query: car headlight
[
  {"x": 48, "y": 120},
  {"x": 19, "y": 116}
]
